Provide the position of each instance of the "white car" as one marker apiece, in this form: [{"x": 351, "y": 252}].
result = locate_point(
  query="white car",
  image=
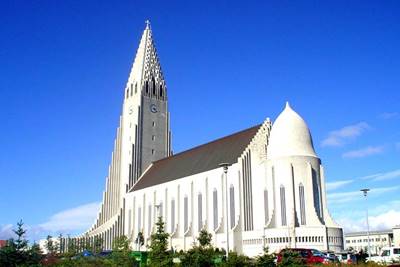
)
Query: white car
[{"x": 388, "y": 255}]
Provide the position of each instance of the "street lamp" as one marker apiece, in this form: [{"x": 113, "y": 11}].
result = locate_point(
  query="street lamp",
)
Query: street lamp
[
  {"x": 365, "y": 191},
  {"x": 225, "y": 168}
]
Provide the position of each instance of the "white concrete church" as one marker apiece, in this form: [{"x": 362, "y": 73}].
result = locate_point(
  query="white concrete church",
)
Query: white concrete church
[{"x": 263, "y": 186}]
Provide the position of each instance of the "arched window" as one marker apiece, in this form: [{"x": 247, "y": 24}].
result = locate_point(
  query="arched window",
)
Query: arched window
[
  {"x": 283, "y": 206},
  {"x": 232, "y": 205},
  {"x": 161, "y": 90},
  {"x": 200, "y": 211},
  {"x": 149, "y": 221},
  {"x": 185, "y": 213},
  {"x": 172, "y": 215},
  {"x": 266, "y": 211},
  {"x": 215, "y": 208},
  {"x": 302, "y": 205}
]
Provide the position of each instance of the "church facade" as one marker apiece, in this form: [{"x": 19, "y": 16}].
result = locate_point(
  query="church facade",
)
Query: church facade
[{"x": 263, "y": 186}]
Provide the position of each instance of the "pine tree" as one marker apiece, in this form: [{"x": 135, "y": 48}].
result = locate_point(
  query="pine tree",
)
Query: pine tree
[
  {"x": 21, "y": 244},
  {"x": 158, "y": 254},
  {"x": 121, "y": 251}
]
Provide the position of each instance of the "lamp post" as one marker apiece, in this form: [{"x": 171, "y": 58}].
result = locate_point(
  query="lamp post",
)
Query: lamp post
[
  {"x": 365, "y": 192},
  {"x": 225, "y": 169}
]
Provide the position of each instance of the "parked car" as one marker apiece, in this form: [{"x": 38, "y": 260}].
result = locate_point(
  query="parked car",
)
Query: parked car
[
  {"x": 331, "y": 256},
  {"x": 347, "y": 258},
  {"x": 309, "y": 256},
  {"x": 388, "y": 255}
]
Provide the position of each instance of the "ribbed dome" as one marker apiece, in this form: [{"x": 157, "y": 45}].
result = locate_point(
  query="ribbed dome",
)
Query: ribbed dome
[{"x": 290, "y": 136}]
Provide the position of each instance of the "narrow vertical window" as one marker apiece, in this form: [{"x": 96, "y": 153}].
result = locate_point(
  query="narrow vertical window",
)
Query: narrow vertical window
[
  {"x": 135, "y": 88},
  {"x": 200, "y": 212},
  {"x": 232, "y": 205},
  {"x": 185, "y": 213},
  {"x": 160, "y": 211},
  {"x": 302, "y": 205},
  {"x": 316, "y": 189},
  {"x": 149, "y": 221},
  {"x": 266, "y": 211},
  {"x": 129, "y": 222},
  {"x": 283, "y": 206},
  {"x": 154, "y": 86},
  {"x": 131, "y": 89},
  {"x": 215, "y": 209},
  {"x": 161, "y": 91},
  {"x": 172, "y": 215},
  {"x": 139, "y": 219}
]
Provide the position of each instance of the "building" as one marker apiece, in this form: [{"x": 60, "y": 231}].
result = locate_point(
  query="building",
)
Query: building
[
  {"x": 3, "y": 243},
  {"x": 377, "y": 240},
  {"x": 263, "y": 186}
]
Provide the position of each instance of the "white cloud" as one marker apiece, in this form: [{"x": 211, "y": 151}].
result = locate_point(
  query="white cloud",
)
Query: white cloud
[
  {"x": 78, "y": 218},
  {"x": 348, "y": 197},
  {"x": 383, "y": 221},
  {"x": 383, "y": 176},
  {"x": 345, "y": 134},
  {"x": 389, "y": 115},
  {"x": 337, "y": 184},
  {"x": 6, "y": 231},
  {"x": 364, "y": 152}
]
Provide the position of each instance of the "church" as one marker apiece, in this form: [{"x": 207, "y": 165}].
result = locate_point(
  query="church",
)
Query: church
[{"x": 261, "y": 187}]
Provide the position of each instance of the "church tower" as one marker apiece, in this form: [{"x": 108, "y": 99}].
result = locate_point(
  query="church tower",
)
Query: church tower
[
  {"x": 145, "y": 112},
  {"x": 143, "y": 136}
]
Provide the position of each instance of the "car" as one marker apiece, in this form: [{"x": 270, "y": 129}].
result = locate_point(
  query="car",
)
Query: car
[
  {"x": 388, "y": 255},
  {"x": 347, "y": 258},
  {"x": 309, "y": 256}
]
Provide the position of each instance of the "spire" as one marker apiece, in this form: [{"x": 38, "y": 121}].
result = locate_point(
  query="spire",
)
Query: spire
[
  {"x": 146, "y": 66},
  {"x": 287, "y": 105}
]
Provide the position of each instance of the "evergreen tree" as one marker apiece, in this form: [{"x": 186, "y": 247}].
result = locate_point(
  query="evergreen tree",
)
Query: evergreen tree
[
  {"x": 204, "y": 238},
  {"x": 121, "y": 251},
  {"x": 158, "y": 254},
  {"x": 97, "y": 245},
  {"x": 139, "y": 240},
  {"x": 51, "y": 246},
  {"x": 266, "y": 260},
  {"x": 21, "y": 244}
]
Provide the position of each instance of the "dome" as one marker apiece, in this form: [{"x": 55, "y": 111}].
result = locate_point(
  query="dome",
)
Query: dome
[{"x": 290, "y": 136}]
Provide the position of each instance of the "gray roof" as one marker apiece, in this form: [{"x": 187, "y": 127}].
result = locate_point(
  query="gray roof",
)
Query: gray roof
[
  {"x": 379, "y": 232},
  {"x": 196, "y": 160}
]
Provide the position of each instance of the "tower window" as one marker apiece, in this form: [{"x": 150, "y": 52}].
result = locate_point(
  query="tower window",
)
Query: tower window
[
  {"x": 131, "y": 89},
  {"x": 152, "y": 151},
  {"x": 186, "y": 213},
  {"x": 147, "y": 87},
  {"x": 153, "y": 137},
  {"x": 135, "y": 88},
  {"x": 161, "y": 91},
  {"x": 232, "y": 205},
  {"x": 172, "y": 215},
  {"x": 154, "y": 123}
]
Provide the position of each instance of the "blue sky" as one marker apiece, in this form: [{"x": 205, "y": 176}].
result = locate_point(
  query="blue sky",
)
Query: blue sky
[{"x": 228, "y": 66}]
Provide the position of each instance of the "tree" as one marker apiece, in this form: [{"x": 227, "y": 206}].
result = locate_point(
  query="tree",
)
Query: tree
[
  {"x": 21, "y": 243},
  {"x": 121, "y": 251},
  {"x": 139, "y": 240},
  {"x": 51, "y": 246},
  {"x": 158, "y": 254},
  {"x": 291, "y": 258},
  {"x": 266, "y": 260},
  {"x": 97, "y": 245},
  {"x": 204, "y": 238},
  {"x": 237, "y": 260}
]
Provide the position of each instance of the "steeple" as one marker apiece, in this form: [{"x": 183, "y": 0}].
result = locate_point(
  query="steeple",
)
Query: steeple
[{"x": 146, "y": 75}]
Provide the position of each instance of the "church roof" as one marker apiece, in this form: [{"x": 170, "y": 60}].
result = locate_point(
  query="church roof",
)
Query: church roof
[{"x": 198, "y": 159}]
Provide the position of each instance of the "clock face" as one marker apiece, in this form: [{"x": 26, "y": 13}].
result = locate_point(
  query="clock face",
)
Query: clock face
[{"x": 153, "y": 108}]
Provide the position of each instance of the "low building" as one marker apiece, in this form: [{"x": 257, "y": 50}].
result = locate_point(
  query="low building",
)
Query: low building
[
  {"x": 396, "y": 235},
  {"x": 3, "y": 243},
  {"x": 377, "y": 240}
]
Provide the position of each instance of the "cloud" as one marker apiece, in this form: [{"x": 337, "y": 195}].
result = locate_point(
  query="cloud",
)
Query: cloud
[
  {"x": 6, "y": 231},
  {"x": 383, "y": 176},
  {"x": 345, "y": 134},
  {"x": 337, "y": 184},
  {"x": 348, "y": 197},
  {"x": 364, "y": 152},
  {"x": 389, "y": 115},
  {"x": 70, "y": 221},
  {"x": 383, "y": 221},
  {"x": 78, "y": 218}
]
